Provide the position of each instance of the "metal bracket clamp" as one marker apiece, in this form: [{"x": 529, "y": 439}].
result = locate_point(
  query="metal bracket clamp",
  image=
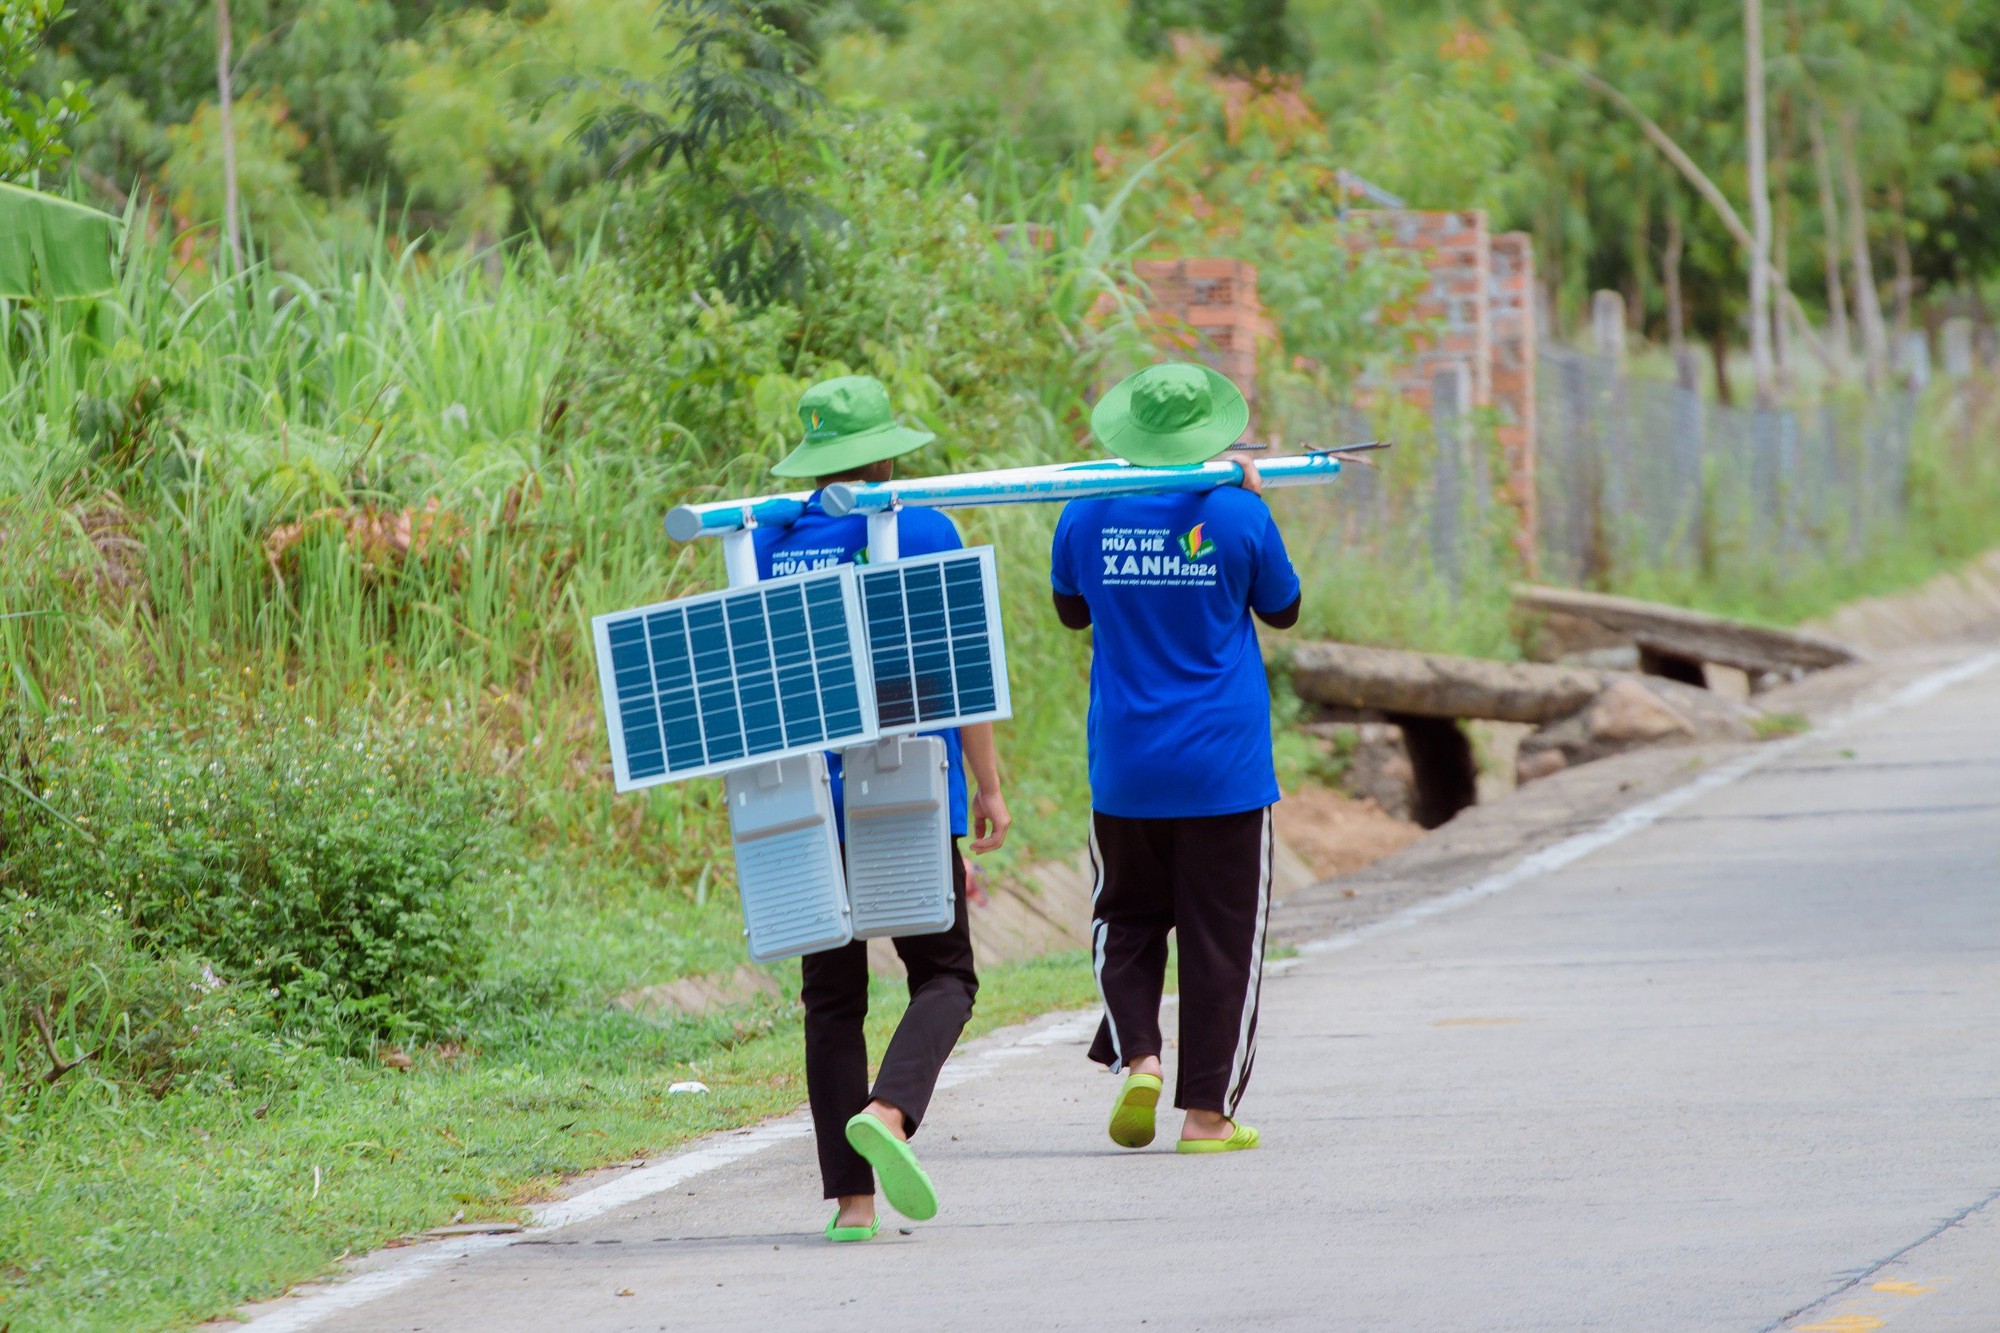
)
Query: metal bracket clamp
[{"x": 884, "y": 542}]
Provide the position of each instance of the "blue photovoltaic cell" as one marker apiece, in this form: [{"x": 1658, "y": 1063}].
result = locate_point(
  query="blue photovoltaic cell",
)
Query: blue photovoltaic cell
[
  {"x": 930, "y": 644},
  {"x": 723, "y": 680}
]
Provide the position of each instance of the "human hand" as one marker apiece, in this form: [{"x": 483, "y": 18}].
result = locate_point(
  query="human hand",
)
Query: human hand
[
  {"x": 990, "y": 820},
  {"x": 1253, "y": 481}
]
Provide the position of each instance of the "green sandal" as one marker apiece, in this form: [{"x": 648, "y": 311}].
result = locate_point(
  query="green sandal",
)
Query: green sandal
[
  {"x": 1241, "y": 1138},
  {"x": 843, "y": 1234},
  {"x": 1132, "y": 1112},
  {"x": 904, "y": 1182}
]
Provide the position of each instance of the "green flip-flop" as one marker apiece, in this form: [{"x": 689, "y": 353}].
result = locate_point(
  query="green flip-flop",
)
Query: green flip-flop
[
  {"x": 1241, "y": 1139},
  {"x": 1132, "y": 1112},
  {"x": 904, "y": 1182},
  {"x": 843, "y": 1234}
]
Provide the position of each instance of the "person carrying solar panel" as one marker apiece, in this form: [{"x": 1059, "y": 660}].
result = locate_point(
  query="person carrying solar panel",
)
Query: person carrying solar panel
[
  {"x": 863, "y": 1133},
  {"x": 1181, "y": 778}
]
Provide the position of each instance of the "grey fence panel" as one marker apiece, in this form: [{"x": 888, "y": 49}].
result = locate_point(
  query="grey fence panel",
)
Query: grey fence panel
[
  {"x": 1631, "y": 474},
  {"x": 1644, "y": 472}
]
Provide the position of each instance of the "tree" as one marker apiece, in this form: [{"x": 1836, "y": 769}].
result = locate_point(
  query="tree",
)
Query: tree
[
  {"x": 723, "y": 130},
  {"x": 32, "y": 126},
  {"x": 1254, "y": 35},
  {"x": 1760, "y": 201},
  {"x": 225, "y": 74},
  {"x": 1022, "y": 90}
]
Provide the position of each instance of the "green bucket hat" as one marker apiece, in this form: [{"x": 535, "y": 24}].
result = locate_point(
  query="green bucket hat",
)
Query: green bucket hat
[
  {"x": 1175, "y": 415},
  {"x": 848, "y": 425}
]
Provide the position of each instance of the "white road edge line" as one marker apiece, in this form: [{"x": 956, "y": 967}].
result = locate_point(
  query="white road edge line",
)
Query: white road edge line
[{"x": 310, "y": 1305}]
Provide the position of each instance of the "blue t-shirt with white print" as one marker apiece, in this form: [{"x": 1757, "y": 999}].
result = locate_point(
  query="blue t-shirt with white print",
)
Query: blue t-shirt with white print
[
  {"x": 818, "y": 541},
  {"x": 1180, "y": 712}
]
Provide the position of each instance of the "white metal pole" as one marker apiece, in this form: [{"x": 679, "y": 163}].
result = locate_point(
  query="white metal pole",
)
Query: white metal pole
[
  {"x": 884, "y": 544},
  {"x": 739, "y": 555},
  {"x": 1070, "y": 482}
]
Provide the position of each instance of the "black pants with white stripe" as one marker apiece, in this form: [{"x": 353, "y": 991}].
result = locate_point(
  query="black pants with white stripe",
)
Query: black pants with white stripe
[
  {"x": 834, "y": 991},
  {"x": 1208, "y": 880}
]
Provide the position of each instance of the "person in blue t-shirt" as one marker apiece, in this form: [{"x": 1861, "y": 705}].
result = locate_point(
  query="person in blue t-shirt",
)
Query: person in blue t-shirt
[
  {"x": 1181, "y": 779},
  {"x": 862, "y": 1132}
]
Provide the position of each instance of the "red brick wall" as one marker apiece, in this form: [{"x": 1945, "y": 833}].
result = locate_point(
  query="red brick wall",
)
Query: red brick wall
[
  {"x": 1480, "y": 298},
  {"x": 1457, "y": 251},
  {"x": 1207, "y": 309},
  {"x": 1515, "y": 339}
]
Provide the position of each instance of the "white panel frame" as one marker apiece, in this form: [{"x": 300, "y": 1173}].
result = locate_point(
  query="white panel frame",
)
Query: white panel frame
[
  {"x": 1003, "y": 698},
  {"x": 864, "y": 678}
]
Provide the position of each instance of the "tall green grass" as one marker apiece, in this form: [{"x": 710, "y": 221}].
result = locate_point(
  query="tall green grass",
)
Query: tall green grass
[{"x": 185, "y": 467}]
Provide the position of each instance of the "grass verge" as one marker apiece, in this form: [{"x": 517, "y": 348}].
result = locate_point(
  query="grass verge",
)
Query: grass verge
[{"x": 163, "y": 1213}]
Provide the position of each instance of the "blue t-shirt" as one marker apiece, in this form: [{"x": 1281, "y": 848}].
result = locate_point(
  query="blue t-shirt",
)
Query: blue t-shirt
[
  {"x": 1180, "y": 713},
  {"x": 819, "y": 542}
]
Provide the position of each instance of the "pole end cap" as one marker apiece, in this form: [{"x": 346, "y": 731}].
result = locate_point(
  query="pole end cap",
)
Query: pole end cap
[{"x": 683, "y": 523}]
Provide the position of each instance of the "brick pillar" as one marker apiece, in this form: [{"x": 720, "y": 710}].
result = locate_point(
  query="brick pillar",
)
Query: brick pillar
[
  {"x": 1207, "y": 309},
  {"x": 1458, "y": 254},
  {"x": 1515, "y": 340},
  {"x": 1482, "y": 298}
]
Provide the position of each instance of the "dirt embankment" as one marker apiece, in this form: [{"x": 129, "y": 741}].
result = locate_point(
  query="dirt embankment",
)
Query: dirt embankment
[{"x": 1335, "y": 834}]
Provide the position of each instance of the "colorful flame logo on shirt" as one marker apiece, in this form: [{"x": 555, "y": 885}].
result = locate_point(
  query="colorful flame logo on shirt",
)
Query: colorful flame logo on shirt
[{"x": 1194, "y": 545}]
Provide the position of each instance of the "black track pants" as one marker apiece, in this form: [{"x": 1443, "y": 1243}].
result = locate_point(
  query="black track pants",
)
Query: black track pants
[
  {"x": 835, "y": 993},
  {"x": 1208, "y": 880}
]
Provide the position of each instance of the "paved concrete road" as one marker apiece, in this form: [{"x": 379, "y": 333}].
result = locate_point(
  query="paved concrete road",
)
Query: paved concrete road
[{"x": 1737, "y": 1071}]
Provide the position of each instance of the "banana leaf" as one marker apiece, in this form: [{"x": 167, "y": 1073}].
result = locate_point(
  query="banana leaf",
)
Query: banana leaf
[{"x": 50, "y": 247}]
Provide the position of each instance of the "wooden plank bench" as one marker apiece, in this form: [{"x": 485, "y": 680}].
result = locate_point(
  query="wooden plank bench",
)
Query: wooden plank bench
[{"x": 1674, "y": 642}]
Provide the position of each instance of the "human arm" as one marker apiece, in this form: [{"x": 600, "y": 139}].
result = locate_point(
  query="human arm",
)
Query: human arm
[
  {"x": 990, "y": 820},
  {"x": 1071, "y": 609},
  {"x": 1284, "y": 617},
  {"x": 1270, "y": 571},
  {"x": 1253, "y": 480},
  {"x": 1275, "y": 594}
]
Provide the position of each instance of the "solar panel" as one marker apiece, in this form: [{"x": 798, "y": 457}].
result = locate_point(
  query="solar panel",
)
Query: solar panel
[
  {"x": 934, "y": 644},
  {"x": 713, "y": 682}
]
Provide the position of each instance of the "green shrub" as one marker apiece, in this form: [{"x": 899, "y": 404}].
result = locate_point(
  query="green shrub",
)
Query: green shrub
[
  {"x": 80, "y": 1001},
  {"x": 332, "y": 867}
]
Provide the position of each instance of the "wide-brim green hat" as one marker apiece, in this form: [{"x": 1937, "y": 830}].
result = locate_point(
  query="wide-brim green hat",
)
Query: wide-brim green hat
[
  {"x": 848, "y": 425},
  {"x": 1173, "y": 415}
]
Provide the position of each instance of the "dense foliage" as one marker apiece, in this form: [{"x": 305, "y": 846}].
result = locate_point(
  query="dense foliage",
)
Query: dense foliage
[{"x": 462, "y": 113}]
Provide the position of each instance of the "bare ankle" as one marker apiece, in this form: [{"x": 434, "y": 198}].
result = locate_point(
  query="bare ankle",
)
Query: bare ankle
[
  {"x": 891, "y": 1116},
  {"x": 1145, "y": 1064},
  {"x": 1206, "y": 1125},
  {"x": 856, "y": 1209}
]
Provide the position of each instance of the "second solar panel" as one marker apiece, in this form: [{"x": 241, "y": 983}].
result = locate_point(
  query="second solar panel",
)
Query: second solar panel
[{"x": 934, "y": 642}]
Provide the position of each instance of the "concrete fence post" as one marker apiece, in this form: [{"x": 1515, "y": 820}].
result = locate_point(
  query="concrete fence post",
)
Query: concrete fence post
[
  {"x": 1451, "y": 409},
  {"x": 1955, "y": 341},
  {"x": 1913, "y": 359},
  {"x": 1607, "y": 325},
  {"x": 1687, "y": 369}
]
